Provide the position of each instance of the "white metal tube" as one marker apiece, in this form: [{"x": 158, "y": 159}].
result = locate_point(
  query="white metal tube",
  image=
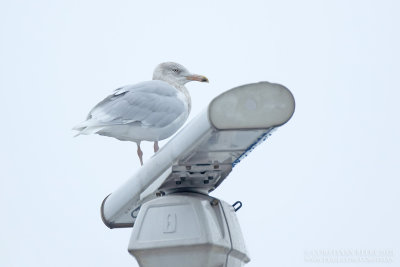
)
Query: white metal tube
[
  {"x": 229, "y": 128},
  {"x": 129, "y": 193}
]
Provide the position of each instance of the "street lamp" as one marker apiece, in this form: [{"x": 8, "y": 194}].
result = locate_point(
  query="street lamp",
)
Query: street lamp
[{"x": 175, "y": 222}]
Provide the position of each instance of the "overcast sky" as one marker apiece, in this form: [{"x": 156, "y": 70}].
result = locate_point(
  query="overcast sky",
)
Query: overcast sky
[{"x": 327, "y": 180}]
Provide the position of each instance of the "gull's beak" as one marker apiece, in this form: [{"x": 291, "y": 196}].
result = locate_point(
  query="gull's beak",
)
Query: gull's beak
[{"x": 195, "y": 77}]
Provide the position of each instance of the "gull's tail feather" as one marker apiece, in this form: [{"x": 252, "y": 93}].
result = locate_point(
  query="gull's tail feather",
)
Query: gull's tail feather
[
  {"x": 87, "y": 127},
  {"x": 83, "y": 125}
]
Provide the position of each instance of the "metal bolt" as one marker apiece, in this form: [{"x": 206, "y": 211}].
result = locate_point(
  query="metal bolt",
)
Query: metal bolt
[
  {"x": 160, "y": 193},
  {"x": 214, "y": 202}
]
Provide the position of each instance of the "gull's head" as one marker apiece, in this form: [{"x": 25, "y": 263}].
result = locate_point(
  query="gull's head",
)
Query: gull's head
[{"x": 175, "y": 73}]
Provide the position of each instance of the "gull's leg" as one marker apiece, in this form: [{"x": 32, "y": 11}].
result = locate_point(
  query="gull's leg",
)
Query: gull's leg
[
  {"x": 156, "y": 146},
  {"x": 139, "y": 153}
]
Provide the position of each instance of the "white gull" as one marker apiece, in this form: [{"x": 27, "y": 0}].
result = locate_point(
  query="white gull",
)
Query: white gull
[{"x": 147, "y": 111}]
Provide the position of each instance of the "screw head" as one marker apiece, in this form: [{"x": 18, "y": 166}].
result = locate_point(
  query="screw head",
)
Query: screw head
[{"x": 214, "y": 202}]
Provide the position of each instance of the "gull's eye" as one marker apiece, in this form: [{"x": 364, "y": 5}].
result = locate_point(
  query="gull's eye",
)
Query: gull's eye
[{"x": 175, "y": 70}]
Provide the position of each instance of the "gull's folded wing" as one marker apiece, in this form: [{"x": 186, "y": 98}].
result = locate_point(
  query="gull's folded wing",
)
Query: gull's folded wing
[{"x": 204, "y": 152}]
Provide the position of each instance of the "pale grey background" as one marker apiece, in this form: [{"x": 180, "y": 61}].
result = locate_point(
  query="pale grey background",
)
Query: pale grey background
[{"x": 329, "y": 179}]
